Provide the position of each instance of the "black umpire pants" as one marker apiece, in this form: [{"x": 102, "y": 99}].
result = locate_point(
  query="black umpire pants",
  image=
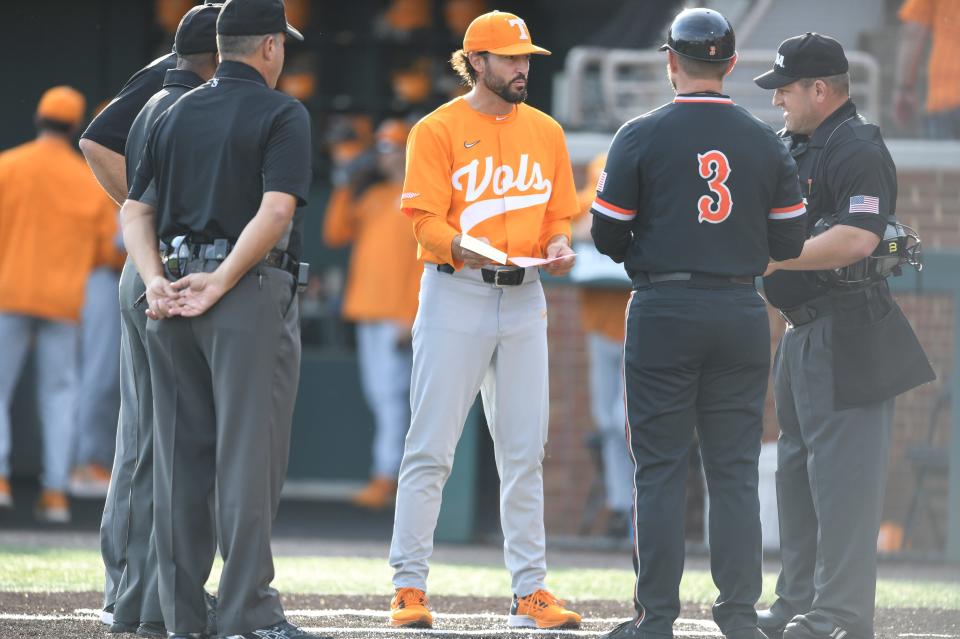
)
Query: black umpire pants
[
  {"x": 224, "y": 386},
  {"x": 831, "y": 480},
  {"x": 696, "y": 358}
]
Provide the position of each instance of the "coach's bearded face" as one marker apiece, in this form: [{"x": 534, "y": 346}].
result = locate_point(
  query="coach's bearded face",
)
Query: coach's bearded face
[{"x": 507, "y": 77}]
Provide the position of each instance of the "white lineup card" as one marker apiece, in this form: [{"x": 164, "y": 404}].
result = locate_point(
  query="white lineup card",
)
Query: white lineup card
[{"x": 482, "y": 248}]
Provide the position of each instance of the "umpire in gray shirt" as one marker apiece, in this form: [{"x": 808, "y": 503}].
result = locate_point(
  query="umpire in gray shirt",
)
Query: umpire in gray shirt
[{"x": 219, "y": 182}]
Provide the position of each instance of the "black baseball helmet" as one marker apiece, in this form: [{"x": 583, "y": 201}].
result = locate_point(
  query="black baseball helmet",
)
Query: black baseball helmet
[{"x": 701, "y": 34}]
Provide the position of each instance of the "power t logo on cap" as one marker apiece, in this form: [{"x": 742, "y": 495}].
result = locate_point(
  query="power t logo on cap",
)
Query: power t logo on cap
[{"x": 500, "y": 33}]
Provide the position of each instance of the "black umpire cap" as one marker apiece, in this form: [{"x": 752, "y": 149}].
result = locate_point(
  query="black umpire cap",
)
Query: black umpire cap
[
  {"x": 811, "y": 55},
  {"x": 254, "y": 17},
  {"x": 197, "y": 31}
]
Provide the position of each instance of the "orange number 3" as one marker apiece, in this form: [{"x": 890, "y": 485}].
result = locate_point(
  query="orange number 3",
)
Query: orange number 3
[{"x": 715, "y": 169}]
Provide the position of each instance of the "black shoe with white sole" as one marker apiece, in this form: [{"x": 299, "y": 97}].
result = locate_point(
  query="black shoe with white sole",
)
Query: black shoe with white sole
[
  {"x": 123, "y": 627},
  {"x": 282, "y": 630},
  {"x": 772, "y": 622},
  {"x": 153, "y": 629},
  {"x": 802, "y": 627}
]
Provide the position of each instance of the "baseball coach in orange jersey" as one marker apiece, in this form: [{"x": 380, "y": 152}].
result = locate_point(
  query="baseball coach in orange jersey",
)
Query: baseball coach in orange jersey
[{"x": 483, "y": 167}]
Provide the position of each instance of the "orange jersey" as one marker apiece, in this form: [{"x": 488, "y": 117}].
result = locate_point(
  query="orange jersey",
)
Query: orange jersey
[
  {"x": 601, "y": 309},
  {"x": 506, "y": 178},
  {"x": 109, "y": 253},
  {"x": 51, "y": 214},
  {"x": 942, "y": 17},
  {"x": 384, "y": 278}
]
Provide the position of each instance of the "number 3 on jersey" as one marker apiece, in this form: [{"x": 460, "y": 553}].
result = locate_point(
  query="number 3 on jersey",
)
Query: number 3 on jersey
[{"x": 715, "y": 169}]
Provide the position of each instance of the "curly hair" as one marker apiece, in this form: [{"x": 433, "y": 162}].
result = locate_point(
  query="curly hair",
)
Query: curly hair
[{"x": 461, "y": 64}]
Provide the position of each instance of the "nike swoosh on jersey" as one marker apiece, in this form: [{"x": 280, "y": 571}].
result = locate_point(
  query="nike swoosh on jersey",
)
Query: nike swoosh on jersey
[{"x": 470, "y": 145}]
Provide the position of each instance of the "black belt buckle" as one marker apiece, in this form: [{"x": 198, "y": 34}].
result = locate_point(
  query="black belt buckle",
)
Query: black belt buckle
[{"x": 502, "y": 277}]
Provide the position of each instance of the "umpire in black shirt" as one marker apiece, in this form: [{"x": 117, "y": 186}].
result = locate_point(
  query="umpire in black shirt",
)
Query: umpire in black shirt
[
  {"x": 220, "y": 179},
  {"x": 126, "y": 530},
  {"x": 833, "y": 383},
  {"x": 137, "y": 606},
  {"x": 695, "y": 198},
  {"x": 103, "y": 145}
]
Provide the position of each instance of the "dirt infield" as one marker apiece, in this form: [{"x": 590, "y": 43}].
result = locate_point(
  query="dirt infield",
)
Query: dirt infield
[{"x": 59, "y": 615}]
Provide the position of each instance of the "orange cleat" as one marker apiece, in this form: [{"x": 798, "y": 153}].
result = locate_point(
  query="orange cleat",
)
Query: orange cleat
[
  {"x": 90, "y": 480},
  {"x": 52, "y": 507},
  {"x": 6, "y": 497},
  {"x": 409, "y": 609},
  {"x": 541, "y": 609},
  {"x": 378, "y": 494}
]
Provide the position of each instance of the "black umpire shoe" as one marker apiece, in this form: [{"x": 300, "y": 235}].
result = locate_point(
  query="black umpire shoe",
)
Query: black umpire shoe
[
  {"x": 122, "y": 627},
  {"x": 627, "y": 630},
  {"x": 211, "y": 603},
  {"x": 152, "y": 629},
  {"x": 772, "y": 623},
  {"x": 188, "y": 635},
  {"x": 282, "y": 630},
  {"x": 800, "y": 627}
]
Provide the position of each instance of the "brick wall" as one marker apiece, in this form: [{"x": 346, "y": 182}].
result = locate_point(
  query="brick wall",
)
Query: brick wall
[{"x": 929, "y": 201}]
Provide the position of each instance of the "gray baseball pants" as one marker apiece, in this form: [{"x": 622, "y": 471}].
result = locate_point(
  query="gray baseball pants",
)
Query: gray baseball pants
[{"x": 472, "y": 336}]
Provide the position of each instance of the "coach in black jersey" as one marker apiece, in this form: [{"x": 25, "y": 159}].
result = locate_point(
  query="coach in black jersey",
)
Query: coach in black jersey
[
  {"x": 834, "y": 392},
  {"x": 127, "y": 524},
  {"x": 696, "y": 197}
]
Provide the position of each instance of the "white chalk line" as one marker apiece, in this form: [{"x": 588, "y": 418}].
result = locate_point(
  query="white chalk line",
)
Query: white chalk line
[
  {"x": 90, "y": 614},
  {"x": 485, "y": 631},
  {"x": 348, "y": 612},
  {"x": 708, "y": 627}
]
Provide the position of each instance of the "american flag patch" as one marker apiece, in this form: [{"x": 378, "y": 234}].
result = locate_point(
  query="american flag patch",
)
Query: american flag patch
[
  {"x": 864, "y": 204},
  {"x": 601, "y": 181}
]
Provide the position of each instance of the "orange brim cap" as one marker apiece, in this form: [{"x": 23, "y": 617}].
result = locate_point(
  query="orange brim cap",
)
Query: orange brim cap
[{"x": 520, "y": 49}]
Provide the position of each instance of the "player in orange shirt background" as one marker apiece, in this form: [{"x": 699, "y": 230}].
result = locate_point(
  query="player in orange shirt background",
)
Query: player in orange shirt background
[
  {"x": 98, "y": 390},
  {"x": 933, "y": 24},
  {"x": 381, "y": 298},
  {"x": 602, "y": 313},
  {"x": 51, "y": 210},
  {"x": 490, "y": 166}
]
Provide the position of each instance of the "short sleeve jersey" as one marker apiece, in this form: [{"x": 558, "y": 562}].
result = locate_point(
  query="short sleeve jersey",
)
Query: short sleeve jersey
[
  {"x": 850, "y": 179},
  {"x": 218, "y": 149},
  {"x": 504, "y": 177},
  {"x": 704, "y": 187},
  {"x": 111, "y": 126},
  {"x": 175, "y": 84}
]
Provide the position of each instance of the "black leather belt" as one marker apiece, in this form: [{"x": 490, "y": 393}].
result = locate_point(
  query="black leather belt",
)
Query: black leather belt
[
  {"x": 807, "y": 312},
  {"x": 497, "y": 277},
  {"x": 827, "y": 305},
  {"x": 691, "y": 279},
  {"x": 218, "y": 250},
  {"x": 282, "y": 260}
]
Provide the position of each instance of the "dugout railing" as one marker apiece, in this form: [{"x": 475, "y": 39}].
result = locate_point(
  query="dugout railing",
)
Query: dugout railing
[{"x": 605, "y": 87}]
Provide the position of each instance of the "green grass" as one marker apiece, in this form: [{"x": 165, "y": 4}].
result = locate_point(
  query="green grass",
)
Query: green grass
[{"x": 80, "y": 570}]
